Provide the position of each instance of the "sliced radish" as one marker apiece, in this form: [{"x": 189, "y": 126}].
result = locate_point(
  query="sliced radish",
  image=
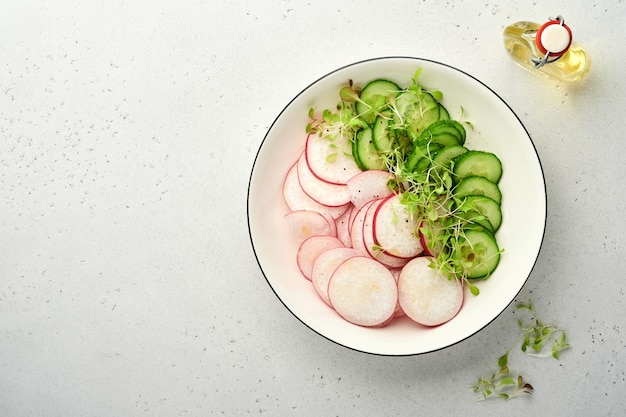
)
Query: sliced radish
[
  {"x": 330, "y": 161},
  {"x": 426, "y": 296},
  {"x": 356, "y": 230},
  {"x": 343, "y": 229},
  {"x": 369, "y": 185},
  {"x": 311, "y": 248},
  {"x": 370, "y": 245},
  {"x": 297, "y": 199},
  {"x": 307, "y": 223},
  {"x": 395, "y": 229},
  {"x": 353, "y": 214},
  {"x": 363, "y": 291},
  {"x": 396, "y": 275},
  {"x": 323, "y": 192},
  {"x": 325, "y": 265}
]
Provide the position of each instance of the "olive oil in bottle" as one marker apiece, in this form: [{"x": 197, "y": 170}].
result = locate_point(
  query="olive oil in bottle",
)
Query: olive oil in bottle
[{"x": 548, "y": 49}]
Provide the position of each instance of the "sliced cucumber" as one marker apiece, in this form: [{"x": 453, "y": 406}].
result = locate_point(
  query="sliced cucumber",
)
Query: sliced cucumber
[
  {"x": 473, "y": 218},
  {"x": 374, "y": 97},
  {"x": 421, "y": 154},
  {"x": 452, "y": 127},
  {"x": 444, "y": 133},
  {"x": 447, "y": 154},
  {"x": 486, "y": 207},
  {"x": 479, "y": 253},
  {"x": 443, "y": 113},
  {"x": 475, "y": 185},
  {"x": 382, "y": 138},
  {"x": 364, "y": 151},
  {"x": 478, "y": 163},
  {"x": 416, "y": 111}
]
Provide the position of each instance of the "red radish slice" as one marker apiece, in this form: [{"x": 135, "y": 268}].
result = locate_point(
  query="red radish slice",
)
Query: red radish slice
[
  {"x": 307, "y": 223},
  {"x": 323, "y": 192},
  {"x": 325, "y": 265},
  {"x": 343, "y": 229},
  {"x": 399, "y": 312},
  {"x": 310, "y": 249},
  {"x": 353, "y": 214},
  {"x": 329, "y": 161},
  {"x": 297, "y": 199},
  {"x": 331, "y": 224},
  {"x": 426, "y": 296},
  {"x": 369, "y": 185},
  {"x": 370, "y": 245},
  {"x": 363, "y": 291},
  {"x": 396, "y": 275},
  {"x": 356, "y": 231},
  {"x": 395, "y": 229}
]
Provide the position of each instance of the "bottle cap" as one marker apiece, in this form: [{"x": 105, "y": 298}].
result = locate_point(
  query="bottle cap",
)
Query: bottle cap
[{"x": 554, "y": 37}]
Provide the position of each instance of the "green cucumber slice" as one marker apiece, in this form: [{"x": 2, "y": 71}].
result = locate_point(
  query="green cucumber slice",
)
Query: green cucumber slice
[
  {"x": 475, "y": 185},
  {"x": 486, "y": 207},
  {"x": 374, "y": 98},
  {"x": 479, "y": 253},
  {"x": 415, "y": 112},
  {"x": 445, "y": 156},
  {"x": 421, "y": 154},
  {"x": 382, "y": 137},
  {"x": 478, "y": 163},
  {"x": 365, "y": 153}
]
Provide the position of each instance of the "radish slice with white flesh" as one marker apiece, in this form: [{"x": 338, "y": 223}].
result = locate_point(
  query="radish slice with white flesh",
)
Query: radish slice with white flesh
[
  {"x": 330, "y": 161},
  {"x": 325, "y": 193},
  {"x": 370, "y": 245},
  {"x": 325, "y": 266},
  {"x": 342, "y": 226},
  {"x": 426, "y": 296},
  {"x": 353, "y": 214},
  {"x": 369, "y": 185},
  {"x": 297, "y": 199},
  {"x": 310, "y": 249},
  {"x": 356, "y": 231},
  {"x": 363, "y": 291},
  {"x": 396, "y": 229},
  {"x": 396, "y": 275},
  {"x": 307, "y": 223}
]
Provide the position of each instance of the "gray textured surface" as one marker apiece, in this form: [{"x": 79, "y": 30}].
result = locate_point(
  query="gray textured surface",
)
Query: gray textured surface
[{"x": 128, "y": 285}]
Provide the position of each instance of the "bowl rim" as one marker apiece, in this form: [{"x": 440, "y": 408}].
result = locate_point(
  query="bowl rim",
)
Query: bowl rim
[{"x": 354, "y": 64}]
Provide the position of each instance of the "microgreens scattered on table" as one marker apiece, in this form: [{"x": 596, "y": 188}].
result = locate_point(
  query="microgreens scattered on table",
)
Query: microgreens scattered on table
[{"x": 537, "y": 339}]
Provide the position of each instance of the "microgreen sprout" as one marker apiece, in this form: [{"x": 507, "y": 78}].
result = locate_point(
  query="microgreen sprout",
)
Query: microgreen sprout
[{"x": 535, "y": 336}]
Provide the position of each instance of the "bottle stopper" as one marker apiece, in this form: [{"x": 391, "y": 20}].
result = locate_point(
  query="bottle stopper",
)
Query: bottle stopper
[{"x": 553, "y": 39}]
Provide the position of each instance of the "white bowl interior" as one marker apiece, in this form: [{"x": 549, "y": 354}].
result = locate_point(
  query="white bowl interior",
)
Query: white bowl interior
[{"x": 495, "y": 129}]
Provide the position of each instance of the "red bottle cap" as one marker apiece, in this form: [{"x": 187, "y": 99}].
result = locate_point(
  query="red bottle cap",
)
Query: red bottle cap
[{"x": 554, "y": 37}]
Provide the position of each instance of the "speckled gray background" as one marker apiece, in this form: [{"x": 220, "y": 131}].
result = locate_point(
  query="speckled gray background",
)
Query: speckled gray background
[{"x": 128, "y": 285}]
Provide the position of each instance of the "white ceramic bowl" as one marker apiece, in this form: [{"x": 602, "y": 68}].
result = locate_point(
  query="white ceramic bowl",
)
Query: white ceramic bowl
[{"x": 496, "y": 129}]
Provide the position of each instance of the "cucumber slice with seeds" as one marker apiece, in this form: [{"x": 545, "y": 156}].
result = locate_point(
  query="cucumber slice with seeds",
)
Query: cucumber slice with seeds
[
  {"x": 476, "y": 185},
  {"x": 479, "y": 253},
  {"x": 478, "y": 163},
  {"x": 447, "y": 154},
  {"x": 382, "y": 137},
  {"x": 364, "y": 151},
  {"x": 421, "y": 151},
  {"x": 374, "y": 97},
  {"x": 416, "y": 111},
  {"x": 486, "y": 207}
]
